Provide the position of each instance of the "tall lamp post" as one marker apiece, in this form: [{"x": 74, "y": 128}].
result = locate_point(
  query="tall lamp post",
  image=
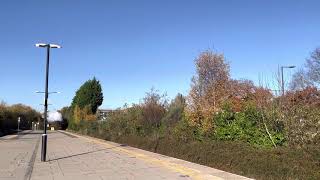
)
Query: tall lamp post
[
  {"x": 44, "y": 135},
  {"x": 282, "y": 78}
]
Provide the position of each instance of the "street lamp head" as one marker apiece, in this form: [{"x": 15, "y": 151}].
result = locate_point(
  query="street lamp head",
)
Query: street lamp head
[
  {"x": 41, "y": 45},
  {"x": 55, "y": 46},
  {"x": 288, "y": 67},
  {"x": 48, "y": 45}
]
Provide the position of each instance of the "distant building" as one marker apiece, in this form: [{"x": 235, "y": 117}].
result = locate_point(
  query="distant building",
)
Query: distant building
[{"x": 103, "y": 114}]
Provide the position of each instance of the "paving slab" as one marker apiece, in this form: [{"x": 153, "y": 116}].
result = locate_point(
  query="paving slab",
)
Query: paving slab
[{"x": 17, "y": 153}]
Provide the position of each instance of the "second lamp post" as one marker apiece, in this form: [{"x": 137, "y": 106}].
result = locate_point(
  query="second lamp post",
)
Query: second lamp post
[
  {"x": 44, "y": 135},
  {"x": 282, "y": 78}
]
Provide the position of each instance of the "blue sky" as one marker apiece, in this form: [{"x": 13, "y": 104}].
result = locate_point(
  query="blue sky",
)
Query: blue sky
[{"x": 131, "y": 46}]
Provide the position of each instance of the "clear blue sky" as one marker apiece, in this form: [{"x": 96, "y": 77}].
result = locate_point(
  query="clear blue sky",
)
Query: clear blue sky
[{"x": 131, "y": 46}]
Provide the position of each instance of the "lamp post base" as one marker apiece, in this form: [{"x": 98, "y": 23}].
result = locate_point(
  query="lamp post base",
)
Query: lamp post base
[{"x": 44, "y": 147}]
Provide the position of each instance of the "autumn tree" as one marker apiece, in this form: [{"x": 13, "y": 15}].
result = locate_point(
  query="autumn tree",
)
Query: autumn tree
[
  {"x": 77, "y": 115},
  {"x": 309, "y": 75},
  {"x": 83, "y": 114},
  {"x": 209, "y": 85},
  {"x": 153, "y": 108},
  {"x": 313, "y": 66},
  {"x": 303, "y": 116},
  {"x": 239, "y": 92},
  {"x": 300, "y": 80}
]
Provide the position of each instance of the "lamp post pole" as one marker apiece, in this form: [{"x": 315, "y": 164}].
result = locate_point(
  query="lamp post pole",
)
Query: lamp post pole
[
  {"x": 46, "y": 90},
  {"x": 18, "y": 124},
  {"x": 282, "y": 78},
  {"x": 282, "y": 81},
  {"x": 44, "y": 135}
]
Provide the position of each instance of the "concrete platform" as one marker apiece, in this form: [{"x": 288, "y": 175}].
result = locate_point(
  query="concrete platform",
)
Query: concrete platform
[{"x": 71, "y": 156}]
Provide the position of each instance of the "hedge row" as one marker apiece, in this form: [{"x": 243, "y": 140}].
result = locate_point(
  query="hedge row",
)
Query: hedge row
[{"x": 236, "y": 157}]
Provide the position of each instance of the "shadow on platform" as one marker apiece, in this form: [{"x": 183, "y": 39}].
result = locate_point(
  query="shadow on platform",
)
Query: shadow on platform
[{"x": 80, "y": 154}]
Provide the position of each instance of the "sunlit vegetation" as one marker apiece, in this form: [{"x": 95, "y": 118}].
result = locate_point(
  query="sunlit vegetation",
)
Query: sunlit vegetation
[
  {"x": 9, "y": 117},
  {"x": 84, "y": 104},
  {"x": 223, "y": 122}
]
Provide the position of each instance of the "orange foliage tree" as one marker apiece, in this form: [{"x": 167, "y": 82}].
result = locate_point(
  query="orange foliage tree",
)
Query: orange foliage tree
[{"x": 209, "y": 87}]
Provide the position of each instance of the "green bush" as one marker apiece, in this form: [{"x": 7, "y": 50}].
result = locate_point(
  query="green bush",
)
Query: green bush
[
  {"x": 247, "y": 126},
  {"x": 186, "y": 132}
]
